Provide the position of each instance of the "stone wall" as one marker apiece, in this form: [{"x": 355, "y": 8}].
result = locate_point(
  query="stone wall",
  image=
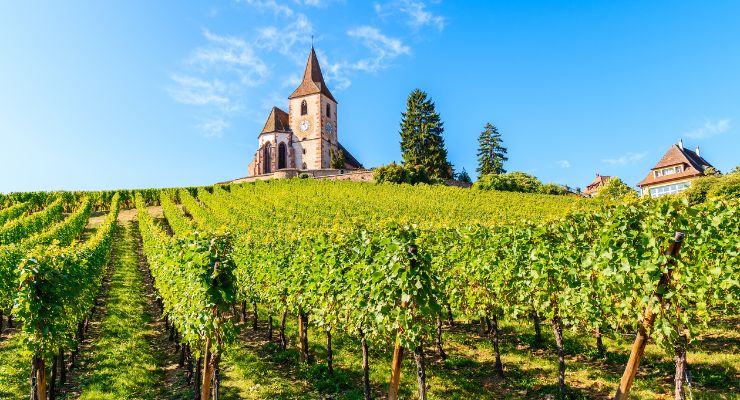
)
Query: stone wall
[{"x": 356, "y": 175}]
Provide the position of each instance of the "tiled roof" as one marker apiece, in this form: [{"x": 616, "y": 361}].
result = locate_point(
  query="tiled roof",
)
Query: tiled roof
[
  {"x": 693, "y": 165},
  {"x": 593, "y": 187},
  {"x": 313, "y": 79},
  {"x": 349, "y": 158},
  {"x": 278, "y": 121}
]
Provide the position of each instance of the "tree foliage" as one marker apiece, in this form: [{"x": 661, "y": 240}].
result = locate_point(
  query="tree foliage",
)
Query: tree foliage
[
  {"x": 491, "y": 153},
  {"x": 463, "y": 176},
  {"x": 411, "y": 174},
  {"x": 336, "y": 159},
  {"x": 422, "y": 143},
  {"x": 509, "y": 182},
  {"x": 615, "y": 189}
]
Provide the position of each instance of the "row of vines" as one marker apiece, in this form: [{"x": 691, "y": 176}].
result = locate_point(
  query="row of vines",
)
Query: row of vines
[
  {"x": 388, "y": 267},
  {"x": 50, "y": 281}
]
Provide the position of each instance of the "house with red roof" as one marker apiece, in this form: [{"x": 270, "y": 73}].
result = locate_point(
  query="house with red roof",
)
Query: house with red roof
[
  {"x": 593, "y": 188},
  {"x": 675, "y": 171}
]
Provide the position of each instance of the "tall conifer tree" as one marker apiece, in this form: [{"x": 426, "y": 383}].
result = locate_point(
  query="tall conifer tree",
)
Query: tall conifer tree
[
  {"x": 421, "y": 136},
  {"x": 491, "y": 153}
]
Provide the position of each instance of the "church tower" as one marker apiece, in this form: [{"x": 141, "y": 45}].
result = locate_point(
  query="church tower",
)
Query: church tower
[
  {"x": 303, "y": 138},
  {"x": 312, "y": 114}
]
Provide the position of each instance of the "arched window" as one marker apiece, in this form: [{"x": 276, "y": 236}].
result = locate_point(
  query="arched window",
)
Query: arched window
[
  {"x": 304, "y": 166},
  {"x": 304, "y": 107},
  {"x": 267, "y": 159},
  {"x": 328, "y": 110},
  {"x": 282, "y": 156}
]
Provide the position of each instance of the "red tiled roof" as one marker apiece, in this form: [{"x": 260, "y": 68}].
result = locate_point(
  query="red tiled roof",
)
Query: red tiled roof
[
  {"x": 593, "y": 187},
  {"x": 313, "y": 79},
  {"x": 693, "y": 165},
  {"x": 278, "y": 121}
]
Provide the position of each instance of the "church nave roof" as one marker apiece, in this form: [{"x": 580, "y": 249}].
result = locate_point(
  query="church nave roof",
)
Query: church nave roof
[{"x": 278, "y": 121}]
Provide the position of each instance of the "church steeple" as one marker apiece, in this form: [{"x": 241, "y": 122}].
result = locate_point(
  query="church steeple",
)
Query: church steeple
[{"x": 313, "y": 79}]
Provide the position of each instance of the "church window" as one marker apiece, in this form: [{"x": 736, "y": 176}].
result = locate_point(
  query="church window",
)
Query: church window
[
  {"x": 282, "y": 159},
  {"x": 304, "y": 107},
  {"x": 328, "y": 110},
  {"x": 267, "y": 159}
]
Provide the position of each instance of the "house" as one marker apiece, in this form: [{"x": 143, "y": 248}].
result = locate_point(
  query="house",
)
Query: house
[
  {"x": 675, "y": 171},
  {"x": 305, "y": 138},
  {"x": 593, "y": 188}
]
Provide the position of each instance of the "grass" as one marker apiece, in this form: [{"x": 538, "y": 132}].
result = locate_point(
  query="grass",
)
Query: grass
[
  {"x": 123, "y": 363},
  {"x": 15, "y": 367},
  {"x": 256, "y": 369}
]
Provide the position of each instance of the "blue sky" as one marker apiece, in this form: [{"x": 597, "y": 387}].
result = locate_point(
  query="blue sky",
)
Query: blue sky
[{"x": 123, "y": 94}]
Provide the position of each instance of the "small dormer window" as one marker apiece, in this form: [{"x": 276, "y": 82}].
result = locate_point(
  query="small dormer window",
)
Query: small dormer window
[
  {"x": 678, "y": 169},
  {"x": 304, "y": 107}
]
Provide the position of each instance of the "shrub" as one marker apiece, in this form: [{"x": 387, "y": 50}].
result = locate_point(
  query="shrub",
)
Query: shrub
[
  {"x": 553, "y": 188},
  {"x": 412, "y": 175},
  {"x": 714, "y": 187},
  {"x": 511, "y": 182},
  {"x": 616, "y": 189}
]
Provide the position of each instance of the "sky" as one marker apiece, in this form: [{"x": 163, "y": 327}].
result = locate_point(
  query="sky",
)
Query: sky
[{"x": 131, "y": 94}]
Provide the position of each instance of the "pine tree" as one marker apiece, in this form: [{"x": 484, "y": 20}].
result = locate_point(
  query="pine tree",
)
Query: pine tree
[
  {"x": 422, "y": 143},
  {"x": 463, "y": 176},
  {"x": 491, "y": 154}
]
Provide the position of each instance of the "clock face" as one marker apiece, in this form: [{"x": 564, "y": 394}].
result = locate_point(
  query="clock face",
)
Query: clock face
[
  {"x": 305, "y": 124},
  {"x": 329, "y": 128}
]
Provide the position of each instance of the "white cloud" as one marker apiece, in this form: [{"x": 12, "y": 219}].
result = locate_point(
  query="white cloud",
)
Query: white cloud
[
  {"x": 563, "y": 163},
  {"x": 629, "y": 158},
  {"x": 415, "y": 11},
  {"x": 271, "y": 6},
  {"x": 285, "y": 38},
  {"x": 191, "y": 90},
  {"x": 382, "y": 48},
  {"x": 709, "y": 129},
  {"x": 335, "y": 73},
  {"x": 214, "y": 127},
  {"x": 230, "y": 54},
  {"x": 217, "y": 77}
]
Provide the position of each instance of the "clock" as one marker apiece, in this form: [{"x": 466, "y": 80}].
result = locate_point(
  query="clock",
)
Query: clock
[
  {"x": 305, "y": 125},
  {"x": 329, "y": 128}
]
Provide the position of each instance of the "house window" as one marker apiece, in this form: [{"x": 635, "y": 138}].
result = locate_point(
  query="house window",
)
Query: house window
[
  {"x": 328, "y": 110},
  {"x": 667, "y": 171},
  {"x": 668, "y": 189},
  {"x": 304, "y": 107}
]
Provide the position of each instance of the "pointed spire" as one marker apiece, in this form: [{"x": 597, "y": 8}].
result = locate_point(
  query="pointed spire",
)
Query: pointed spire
[{"x": 313, "y": 79}]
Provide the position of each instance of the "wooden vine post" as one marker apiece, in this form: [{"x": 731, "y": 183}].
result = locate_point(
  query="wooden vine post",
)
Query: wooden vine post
[
  {"x": 205, "y": 387},
  {"x": 643, "y": 332},
  {"x": 398, "y": 349},
  {"x": 39, "y": 387},
  {"x": 395, "y": 371}
]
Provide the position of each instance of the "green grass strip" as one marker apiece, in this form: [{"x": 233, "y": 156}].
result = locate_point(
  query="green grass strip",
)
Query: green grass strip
[
  {"x": 123, "y": 364},
  {"x": 15, "y": 368}
]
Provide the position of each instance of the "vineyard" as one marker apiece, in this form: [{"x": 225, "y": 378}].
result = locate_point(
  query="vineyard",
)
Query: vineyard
[{"x": 320, "y": 289}]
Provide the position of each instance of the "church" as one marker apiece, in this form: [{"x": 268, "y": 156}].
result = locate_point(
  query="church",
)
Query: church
[{"x": 306, "y": 137}]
